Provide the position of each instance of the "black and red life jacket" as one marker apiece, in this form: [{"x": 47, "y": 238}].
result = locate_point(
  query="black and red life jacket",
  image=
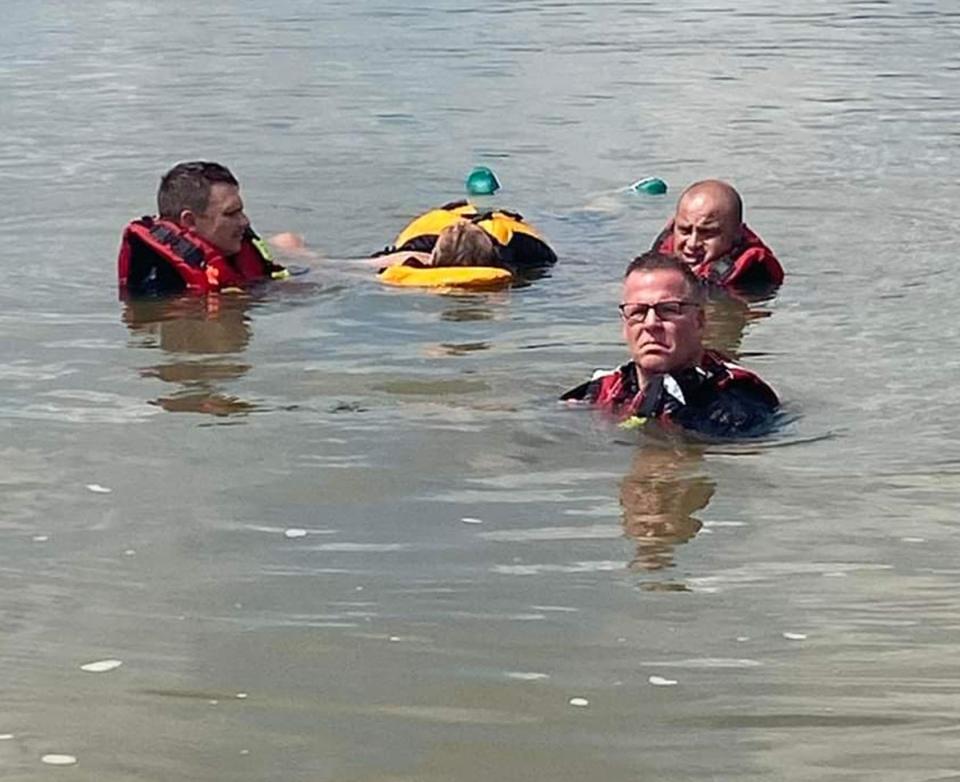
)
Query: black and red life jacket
[
  {"x": 749, "y": 263},
  {"x": 158, "y": 256},
  {"x": 669, "y": 396}
]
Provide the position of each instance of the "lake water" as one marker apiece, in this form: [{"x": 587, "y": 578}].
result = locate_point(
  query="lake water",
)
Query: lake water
[{"x": 340, "y": 532}]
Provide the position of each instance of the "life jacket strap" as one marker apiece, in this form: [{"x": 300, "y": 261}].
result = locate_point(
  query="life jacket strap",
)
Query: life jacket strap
[
  {"x": 492, "y": 213},
  {"x": 652, "y": 398},
  {"x": 271, "y": 268},
  {"x": 191, "y": 253}
]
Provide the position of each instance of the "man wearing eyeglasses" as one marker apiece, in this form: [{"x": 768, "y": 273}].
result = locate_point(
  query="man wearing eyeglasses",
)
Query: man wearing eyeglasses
[{"x": 671, "y": 376}]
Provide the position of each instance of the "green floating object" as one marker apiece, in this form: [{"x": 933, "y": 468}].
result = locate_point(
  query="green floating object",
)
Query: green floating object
[
  {"x": 650, "y": 185},
  {"x": 482, "y": 181}
]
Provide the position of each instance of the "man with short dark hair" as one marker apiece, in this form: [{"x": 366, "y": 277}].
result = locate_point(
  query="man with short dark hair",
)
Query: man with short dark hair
[
  {"x": 201, "y": 242},
  {"x": 671, "y": 376},
  {"x": 707, "y": 232}
]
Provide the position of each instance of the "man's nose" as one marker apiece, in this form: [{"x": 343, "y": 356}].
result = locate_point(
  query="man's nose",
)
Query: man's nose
[{"x": 650, "y": 319}]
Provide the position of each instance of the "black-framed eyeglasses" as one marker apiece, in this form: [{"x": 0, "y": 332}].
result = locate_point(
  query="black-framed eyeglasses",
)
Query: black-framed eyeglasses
[{"x": 636, "y": 312}]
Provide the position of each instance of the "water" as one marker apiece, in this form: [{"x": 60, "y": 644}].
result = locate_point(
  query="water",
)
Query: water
[{"x": 474, "y": 557}]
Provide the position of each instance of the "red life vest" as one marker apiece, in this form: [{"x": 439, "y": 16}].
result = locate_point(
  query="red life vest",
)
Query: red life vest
[
  {"x": 159, "y": 256},
  {"x": 750, "y": 262}
]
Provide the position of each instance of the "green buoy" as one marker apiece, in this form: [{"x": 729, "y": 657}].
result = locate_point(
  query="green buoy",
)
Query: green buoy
[
  {"x": 650, "y": 185},
  {"x": 482, "y": 181}
]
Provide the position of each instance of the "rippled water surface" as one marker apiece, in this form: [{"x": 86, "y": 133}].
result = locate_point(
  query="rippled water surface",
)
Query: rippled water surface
[{"x": 339, "y": 532}]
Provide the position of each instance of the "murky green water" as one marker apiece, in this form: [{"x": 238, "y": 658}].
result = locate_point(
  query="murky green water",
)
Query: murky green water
[{"x": 339, "y": 532}]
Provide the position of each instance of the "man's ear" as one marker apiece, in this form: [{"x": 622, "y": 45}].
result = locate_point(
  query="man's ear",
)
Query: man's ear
[{"x": 187, "y": 218}]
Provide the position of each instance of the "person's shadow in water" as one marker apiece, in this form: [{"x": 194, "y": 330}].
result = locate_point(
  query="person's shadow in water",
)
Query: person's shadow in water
[
  {"x": 659, "y": 497},
  {"x": 727, "y": 319},
  {"x": 202, "y": 338}
]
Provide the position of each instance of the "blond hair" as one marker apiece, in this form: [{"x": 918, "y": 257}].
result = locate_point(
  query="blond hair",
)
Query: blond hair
[{"x": 465, "y": 244}]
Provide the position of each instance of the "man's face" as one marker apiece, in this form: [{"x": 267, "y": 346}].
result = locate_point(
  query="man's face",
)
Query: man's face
[
  {"x": 704, "y": 230},
  {"x": 662, "y": 344},
  {"x": 223, "y": 223}
]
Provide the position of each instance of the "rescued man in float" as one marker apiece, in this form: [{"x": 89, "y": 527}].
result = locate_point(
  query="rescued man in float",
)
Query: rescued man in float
[
  {"x": 200, "y": 242},
  {"x": 460, "y": 245},
  {"x": 707, "y": 232},
  {"x": 671, "y": 376}
]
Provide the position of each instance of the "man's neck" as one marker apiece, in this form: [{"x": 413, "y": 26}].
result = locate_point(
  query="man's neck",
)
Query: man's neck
[{"x": 645, "y": 378}]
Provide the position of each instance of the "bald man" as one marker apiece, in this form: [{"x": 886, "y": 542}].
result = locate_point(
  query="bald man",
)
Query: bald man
[{"x": 707, "y": 232}]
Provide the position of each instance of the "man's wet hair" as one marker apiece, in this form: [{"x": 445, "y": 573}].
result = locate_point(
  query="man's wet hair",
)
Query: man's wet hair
[
  {"x": 652, "y": 261},
  {"x": 187, "y": 186},
  {"x": 465, "y": 244}
]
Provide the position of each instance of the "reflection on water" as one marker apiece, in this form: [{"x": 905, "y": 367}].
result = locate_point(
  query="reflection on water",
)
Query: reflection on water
[
  {"x": 727, "y": 319},
  {"x": 197, "y": 333},
  {"x": 454, "y": 349},
  {"x": 467, "y": 310},
  {"x": 659, "y": 496}
]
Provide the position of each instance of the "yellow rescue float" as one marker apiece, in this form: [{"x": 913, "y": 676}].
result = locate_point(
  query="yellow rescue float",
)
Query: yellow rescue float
[
  {"x": 447, "y": 277},
  {"x": 520, "y": 246}
]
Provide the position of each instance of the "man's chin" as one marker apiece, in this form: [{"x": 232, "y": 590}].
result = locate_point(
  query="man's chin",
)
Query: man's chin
[
  {"x": 232, "y": 249},
  {"x": 654, "y": 363}
]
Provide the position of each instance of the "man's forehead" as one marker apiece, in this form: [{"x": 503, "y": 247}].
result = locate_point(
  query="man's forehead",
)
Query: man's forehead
[
  {"x": 701, "y": 210},
  {"x": 653, "y": 280},
  {"x": 685, "y": 217},
  {"x": 706, "y": 204},
  {"x": 223, "y": 194}
]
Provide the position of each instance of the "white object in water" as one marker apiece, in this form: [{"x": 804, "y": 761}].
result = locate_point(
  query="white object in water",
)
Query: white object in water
[
  {"x": 795, "y": 636},
  {"x": 471, "y": 520},
  {"x": 101, "y": 666},
  {"x": 579, "y": 702},
  {"x": 659, "y": 681},
  {"x": 96, "y": 488},
  {"x": 295, "y": 533},
  {"x": 58, "y": 760}
]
